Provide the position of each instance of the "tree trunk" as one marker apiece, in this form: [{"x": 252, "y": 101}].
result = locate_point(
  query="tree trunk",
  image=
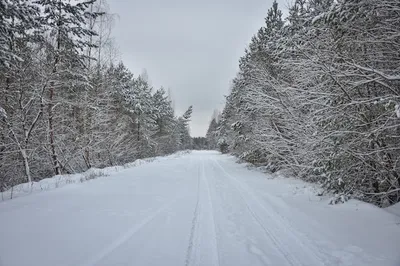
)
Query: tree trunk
[
  {"x": 138, "y": 129},
  {"x": 27, "y": 168},
  {"x": 54, "y": 158},
  {"x": 57, "y": 169}
]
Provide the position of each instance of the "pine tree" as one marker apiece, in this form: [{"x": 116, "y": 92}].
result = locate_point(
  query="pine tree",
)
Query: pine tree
[
  {"x": 18, "y": 27},
  {"x": 66, "y": 22},
  {"x": 61, "y": 104},
  {"x": 318, "y": 95},
  {"x": 184, "y": 139},
  {"x": 212, "y": 135},
  {"x": 164, "y": 122}
]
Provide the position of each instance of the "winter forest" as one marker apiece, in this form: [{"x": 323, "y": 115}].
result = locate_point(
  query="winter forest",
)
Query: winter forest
[
  {"x": 318, "y": 95},
  {"x": 66, "y": 104}
]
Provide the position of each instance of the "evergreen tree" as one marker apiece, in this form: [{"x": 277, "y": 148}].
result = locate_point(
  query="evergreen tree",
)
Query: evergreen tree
[
  {"x": 185, "y": 141},
  {"x": 318, "y": 95},
  {"x": 62, "y": 112},
  {"x": 66, "y": 63},
  {"x": 212, "y": 135}
]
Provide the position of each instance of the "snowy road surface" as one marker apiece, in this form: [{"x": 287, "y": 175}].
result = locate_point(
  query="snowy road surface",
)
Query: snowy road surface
[{"x": 198, "y": 209}]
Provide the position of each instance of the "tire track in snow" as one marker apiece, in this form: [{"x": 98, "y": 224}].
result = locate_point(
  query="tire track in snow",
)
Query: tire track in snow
[
  {"x": 189, "y": 251},
  {"x": 278, "y": 246},
  {"x": 98, "y": 257},
  {"x": 213, "y": 229},
  {"x": 274, "y": 236}
]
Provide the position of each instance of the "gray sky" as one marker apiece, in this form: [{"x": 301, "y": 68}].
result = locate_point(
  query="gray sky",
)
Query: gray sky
[{"x": 191, "y": 47}]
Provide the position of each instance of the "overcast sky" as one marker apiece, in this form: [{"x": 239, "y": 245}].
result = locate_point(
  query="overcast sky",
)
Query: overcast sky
[{"x": 191, "y": 47}]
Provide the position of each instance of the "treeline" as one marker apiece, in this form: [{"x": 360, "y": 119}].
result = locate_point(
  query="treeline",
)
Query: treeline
[
  {"x": 319, "y": 93},
  {"x": 65, "y": 104},
  {"x": 199, "y": 143}
]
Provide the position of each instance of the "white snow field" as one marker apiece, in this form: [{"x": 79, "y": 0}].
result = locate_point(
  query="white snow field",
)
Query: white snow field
[{"x": 197, "y": 209}]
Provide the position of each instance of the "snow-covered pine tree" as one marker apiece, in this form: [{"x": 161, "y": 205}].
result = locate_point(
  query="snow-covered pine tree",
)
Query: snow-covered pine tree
[
  {"x": 212, "y": 134},
  {"x": 164, "y": 122},
  {"x": 61, "y": 105},
  {"x": 66, "y": 69},
  {"x": 183, "y": 132},
  {"x": 319, "y": 95},
  {"x": 21, "y": 100}
]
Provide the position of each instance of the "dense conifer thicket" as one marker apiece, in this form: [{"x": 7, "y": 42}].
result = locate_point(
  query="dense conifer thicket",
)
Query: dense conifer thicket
[{"x": 319, "y": 93}]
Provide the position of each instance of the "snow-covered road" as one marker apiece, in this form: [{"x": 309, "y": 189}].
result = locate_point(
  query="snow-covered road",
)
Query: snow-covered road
[{"x": 198, "y": 209}]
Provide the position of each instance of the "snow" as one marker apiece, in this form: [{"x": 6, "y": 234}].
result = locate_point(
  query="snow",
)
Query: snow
[
  {"x": 395, "y": 209},
  {"x": 318, "y": 18},
  {"x": 3, "y": 113},
  {"x": 200, "y": 208},
  {"x": 62, "y": 180}
]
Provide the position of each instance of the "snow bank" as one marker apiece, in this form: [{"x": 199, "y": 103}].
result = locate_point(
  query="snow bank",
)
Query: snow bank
[
  {"x": 354, "y": 233},
  {"x": 93, "y": 173},
  {"x": 394, "y": 209}
]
